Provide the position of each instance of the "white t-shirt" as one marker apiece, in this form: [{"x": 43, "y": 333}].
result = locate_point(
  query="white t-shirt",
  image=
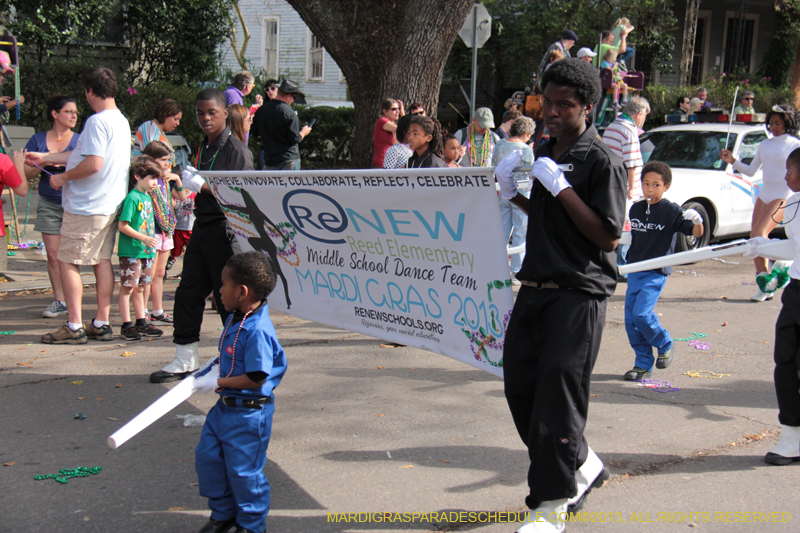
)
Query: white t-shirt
[
  {"x": 108, "y": 135},
  {"x": 622, "y": 137}
]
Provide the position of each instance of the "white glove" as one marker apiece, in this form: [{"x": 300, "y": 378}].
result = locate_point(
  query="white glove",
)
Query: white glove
[
  {"x": 694, "y": 216},
  {"x": 191, "y": 179},
  {"x": 206, "y": 383},
  {"x": 753, "y": 243},
  {"x": 508, "y": 185},
  {"x": 547, "y": 172}
]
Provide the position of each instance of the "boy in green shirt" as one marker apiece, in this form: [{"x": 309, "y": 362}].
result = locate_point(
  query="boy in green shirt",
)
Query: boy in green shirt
[{"x": 137, "y": 248}]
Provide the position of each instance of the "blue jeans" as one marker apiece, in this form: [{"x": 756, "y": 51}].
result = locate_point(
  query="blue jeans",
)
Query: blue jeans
[
  {"x": 514, "y": 218},
  {"x": 641, "y": 323},
  {"x": 230, "y": 460},
  {"x": 626, "y": 55}
]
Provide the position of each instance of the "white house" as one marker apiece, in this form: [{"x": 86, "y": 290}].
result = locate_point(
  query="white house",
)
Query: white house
[{"x": 281, "y": 44}]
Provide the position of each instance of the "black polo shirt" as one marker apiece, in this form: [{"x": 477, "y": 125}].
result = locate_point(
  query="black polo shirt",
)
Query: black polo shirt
[
  {"x": 556, "y": 250},
  {"x": 427, "y": 160},
  {"x": 226, "y": 153},
  {"x": 279, "y": 129}
]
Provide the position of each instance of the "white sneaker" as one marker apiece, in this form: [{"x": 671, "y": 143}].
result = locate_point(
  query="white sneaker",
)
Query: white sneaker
[
  {"x": 549, "y": 517},
  {"x": 788, "y": 448},
  {"x": 591, "y": 474},
  {"x": 761, "y": 296},
  {"x": 55, "y": 309}
]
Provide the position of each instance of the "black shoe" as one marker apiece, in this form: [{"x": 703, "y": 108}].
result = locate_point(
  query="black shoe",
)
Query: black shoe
[
  {"x": 170, "y": 262},
  {"x": 129, "y": 333},
  {"x": 216, "y": 526},
  {"x": 166, "y": 377},
  {"x": 779, "y": 460},
  {"x": 637, "y": 374},
  {"x": 240, "y": 529},
  {"x": 146, "y": 330},
  {"x": 665, "y": 359}
]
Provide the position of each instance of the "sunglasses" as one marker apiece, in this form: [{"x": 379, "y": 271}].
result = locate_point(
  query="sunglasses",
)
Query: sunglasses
[
  {"x": 272, "y": 87},
  {"x": 743, "y": 99},
  {"x": 417, "y": 113},
  {"x": 394, "y": 109}
]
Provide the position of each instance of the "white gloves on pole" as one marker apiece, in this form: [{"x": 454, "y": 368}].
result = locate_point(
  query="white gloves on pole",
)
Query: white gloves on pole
[
  {"x": 206, "y": 383},
  {"x": 754, "y": 243},
  {"x": 694, "y": 216},
  {"x": 547, "y": 172},
  {"x": 504, "y": 176},
  {"x": 191, "y": 179}
]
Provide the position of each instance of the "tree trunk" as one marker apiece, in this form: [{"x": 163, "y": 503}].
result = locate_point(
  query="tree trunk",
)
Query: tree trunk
[
  {"x": 386, "y": 48},
  {"x": 794, "y": 83},
  {"x": 689, "y": 34}
]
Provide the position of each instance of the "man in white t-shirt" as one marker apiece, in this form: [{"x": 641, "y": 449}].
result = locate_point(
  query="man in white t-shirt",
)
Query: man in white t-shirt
[{"x": 93, "y": 187}]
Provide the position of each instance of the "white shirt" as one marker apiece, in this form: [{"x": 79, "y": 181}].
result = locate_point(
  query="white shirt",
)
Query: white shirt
[
  {"x": 792, "y": 214},
  {"x": 108, "y": 135},
  {"x": 622, "y": 137},
  {"x": 772, "y": 155}
]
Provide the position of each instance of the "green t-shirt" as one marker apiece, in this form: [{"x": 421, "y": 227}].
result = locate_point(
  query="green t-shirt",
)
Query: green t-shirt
[
  {"x": 137, "y": 210},
  {"x": 603, "y": 49}
]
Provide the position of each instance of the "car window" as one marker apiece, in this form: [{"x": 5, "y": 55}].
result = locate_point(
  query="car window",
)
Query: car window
[
  {"x": 686, "y": 149},
  {"x": 750, "y": 142}
]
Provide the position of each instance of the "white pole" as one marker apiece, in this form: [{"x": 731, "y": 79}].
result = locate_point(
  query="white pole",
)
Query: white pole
[
  {"x": 474, "y": 61},
  {"x": 730, "y": 122}
]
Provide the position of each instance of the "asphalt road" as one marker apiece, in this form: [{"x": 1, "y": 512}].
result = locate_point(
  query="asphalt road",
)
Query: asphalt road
[{"x": 364, "y": 428}]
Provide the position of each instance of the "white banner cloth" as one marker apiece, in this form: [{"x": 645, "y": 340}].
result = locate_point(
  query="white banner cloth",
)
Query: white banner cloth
[{"x": 412, "y": 256}]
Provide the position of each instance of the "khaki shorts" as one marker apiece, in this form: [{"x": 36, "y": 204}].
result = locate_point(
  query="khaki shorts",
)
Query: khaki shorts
[{"x": 87, "y": 240}]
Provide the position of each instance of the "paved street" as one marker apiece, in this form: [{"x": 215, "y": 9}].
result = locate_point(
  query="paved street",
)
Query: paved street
[{"x": 364, "y": 428}]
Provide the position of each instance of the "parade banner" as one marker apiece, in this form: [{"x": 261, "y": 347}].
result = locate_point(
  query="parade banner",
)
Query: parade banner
[{"x": 412, "y": 256}]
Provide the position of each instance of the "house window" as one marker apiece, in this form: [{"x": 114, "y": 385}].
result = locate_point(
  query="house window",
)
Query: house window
[
  {"x": 315, "y": 64},
  {"x": 740, "y": 42},
  {"x": 269, "y": 56}
]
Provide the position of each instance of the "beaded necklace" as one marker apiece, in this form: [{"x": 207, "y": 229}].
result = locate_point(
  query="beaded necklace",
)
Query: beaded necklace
[
  {"x": 197, "y": 161},
  {"x": 233, "y": 349},
  {"x": 162, "y": 208},
  {"x": 478, "y": 159}
]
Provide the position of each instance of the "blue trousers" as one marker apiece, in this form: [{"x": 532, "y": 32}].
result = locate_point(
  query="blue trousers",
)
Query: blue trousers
[
  {"x": 627, "y": 54},
  {"x": 641, "y": 323},
  {"x": 514, "y": 219},
  {"x": 230, "y": 460}
]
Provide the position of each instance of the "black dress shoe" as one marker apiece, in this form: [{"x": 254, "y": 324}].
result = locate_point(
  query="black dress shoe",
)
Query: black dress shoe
[
  {"x": 216, "y": 526},
  {"x": 166, "y": 377},
  {"x": 240, "y": 529}
]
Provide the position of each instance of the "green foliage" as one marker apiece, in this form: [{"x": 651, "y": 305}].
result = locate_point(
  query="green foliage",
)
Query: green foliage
[
  {"x": 44, "y": 25},
  {"x": 174, "y": 42},
  {"x": 780, "y": 55},
  {"x": 57, "y": 75},
  {"x": 654, "y": 21},
  {"x": 662, "y": 99},
  {"x": 330, "y": 143}
]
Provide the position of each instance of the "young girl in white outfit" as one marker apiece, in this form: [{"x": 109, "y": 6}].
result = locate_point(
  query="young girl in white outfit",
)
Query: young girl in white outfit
[{"x": 783, "y": 122}]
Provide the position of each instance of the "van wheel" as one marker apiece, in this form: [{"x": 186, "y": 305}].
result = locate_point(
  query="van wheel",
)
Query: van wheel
[{"x": 688, "y": 242}]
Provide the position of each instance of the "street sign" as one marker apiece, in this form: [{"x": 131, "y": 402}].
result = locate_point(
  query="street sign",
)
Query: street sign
[{"x": 484, "y": 26}]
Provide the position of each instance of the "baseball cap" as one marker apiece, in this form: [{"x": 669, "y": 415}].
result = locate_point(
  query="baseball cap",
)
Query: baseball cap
[
  {"x": 5, "y": 61},
  {"x": 583, "y": 52},
  {"x": 569, "y": 35},
  {"x": 484, "y": 117}
]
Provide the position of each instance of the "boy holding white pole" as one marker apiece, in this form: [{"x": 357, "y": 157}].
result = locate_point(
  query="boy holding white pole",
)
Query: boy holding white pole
[{"x": 654, "y": 225}]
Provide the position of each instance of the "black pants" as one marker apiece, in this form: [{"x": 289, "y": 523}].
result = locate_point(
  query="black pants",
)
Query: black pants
[
  {"x": 551, "y": 346},
  {"x": 787, "y": 356},
  {"x": 208, "y": 250}
]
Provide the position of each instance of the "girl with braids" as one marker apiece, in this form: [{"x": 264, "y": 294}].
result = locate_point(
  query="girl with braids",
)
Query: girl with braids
[
  {"x": 425, "y": 139},
  {"x": 783, "y": 122},
  {"x": 169, "y": 187}
]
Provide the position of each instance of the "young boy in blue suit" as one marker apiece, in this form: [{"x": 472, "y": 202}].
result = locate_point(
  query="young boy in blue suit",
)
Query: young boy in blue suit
[{"x": 232, "y": 452}]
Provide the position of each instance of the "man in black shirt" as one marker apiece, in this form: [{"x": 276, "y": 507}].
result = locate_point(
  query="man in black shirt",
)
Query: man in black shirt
[
  {"x": 212, "y": 242},
  {"x": 279, "y": 128},
  {"x": 575, "y": 222}
]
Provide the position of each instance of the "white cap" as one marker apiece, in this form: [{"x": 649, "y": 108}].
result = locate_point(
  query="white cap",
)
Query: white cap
[{"x": 586, "y": 52}]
